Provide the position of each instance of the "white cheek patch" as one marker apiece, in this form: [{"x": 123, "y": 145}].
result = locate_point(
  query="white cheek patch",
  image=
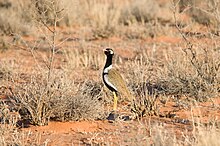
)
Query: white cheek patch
[
  {"x": 111, "y": 52},
  {"x": 106, "y": 70},
  {"x": 109, "y": 83}
]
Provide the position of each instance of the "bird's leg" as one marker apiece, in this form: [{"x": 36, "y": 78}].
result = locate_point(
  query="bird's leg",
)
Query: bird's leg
[
  {"x": 113, "y": 115},
  {"x": 115, "y": 101}
]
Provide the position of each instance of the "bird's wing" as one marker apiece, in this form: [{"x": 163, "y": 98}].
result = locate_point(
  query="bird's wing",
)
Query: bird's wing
[{"x": 116, "y": 79}]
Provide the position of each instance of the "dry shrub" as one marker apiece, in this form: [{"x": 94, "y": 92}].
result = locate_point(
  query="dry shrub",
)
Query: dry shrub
[
  {"x": 6, "y": 70},
  {"x": 103, "y": 17},
  {"x": 9, "y": 133},
  {"x": 49, "y": 10},
  {"x": 144, "y": 11},
  {"x": 58, "y": 99},
  {"x": 140, "y": 11},
  {"x": 137, "y": 32},
  {"x": 108, "y": 18},
  {"x": 39, "y": 98},
  {"x": 7, "y": 130},
  {"x": 204, "y": 12},
  {"x": 194, "y": 73},
  {"x": 24, "y": 14},
  {"x": 4, "y": 45},
  {"x": 15, "y": 17},
  {"x": 145, "y": 104},
  {"x": 50, "y": 93},
  {"x": 147, "y": 71},
  {"x": 86, "y": 104},
  {"x": 141, "y": 85}
]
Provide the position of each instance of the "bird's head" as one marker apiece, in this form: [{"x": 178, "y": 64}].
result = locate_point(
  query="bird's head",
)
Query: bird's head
[{"x": 108, "y": 51}]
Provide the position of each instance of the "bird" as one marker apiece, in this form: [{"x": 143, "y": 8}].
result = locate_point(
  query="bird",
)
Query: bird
[{"x": 113, "y": 79}]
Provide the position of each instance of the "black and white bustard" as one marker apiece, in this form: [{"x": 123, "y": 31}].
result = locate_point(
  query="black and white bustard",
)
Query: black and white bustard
[{"x": 113, "y": 80}]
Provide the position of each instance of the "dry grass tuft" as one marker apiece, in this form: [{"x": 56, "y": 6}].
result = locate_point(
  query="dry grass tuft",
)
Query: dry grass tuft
[
  {"x": 139, "y": 12},
  {"x": 83, "y": 58},
  {"x": 86, "y": 104},
  {"x": 194, "y": 73},
  {"x": 208, "y": 136},
  {"x": 141, "y": 85},
  {"x": 145, "y": 104},
  {"x": 6, "y": 70},
  {"x": 9, "y": 133}
]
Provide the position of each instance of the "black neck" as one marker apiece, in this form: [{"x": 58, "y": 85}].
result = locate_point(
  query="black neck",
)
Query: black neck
[{"x": 108, "y": 61}]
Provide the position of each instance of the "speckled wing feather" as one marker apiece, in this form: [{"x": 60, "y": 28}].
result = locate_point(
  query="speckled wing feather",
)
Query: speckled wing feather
[{"x": 116, "y": 79}]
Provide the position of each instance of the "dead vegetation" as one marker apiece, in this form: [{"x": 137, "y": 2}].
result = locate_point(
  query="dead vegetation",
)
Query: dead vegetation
[
  {"x": 194, "y": 74},
  {"x": 55, "y": 91}
]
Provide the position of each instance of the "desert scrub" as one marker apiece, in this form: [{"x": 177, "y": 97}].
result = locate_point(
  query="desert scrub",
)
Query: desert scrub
[
  {"x": 104, "y": 18},
  {"x": 139, "y": 11},
  {"x": 49, "y": 92},
  {"x": 86, "y": 104},
  {"x": 145, "y": 103},
  {"x": 39, "y": 99},
  {"x": 141, "y": 84},
  {"x": 20, "y": 17},
  {"x": 203, "y": 12},
  {"x": 61, "y": 99},
  {"x": 8, "y": 123},
  {"x": 11, "y": 135},
  {"x": 6, "y": 70},
  {"x": 194, "y": 73},
  {"x": 41, "y": 93}
]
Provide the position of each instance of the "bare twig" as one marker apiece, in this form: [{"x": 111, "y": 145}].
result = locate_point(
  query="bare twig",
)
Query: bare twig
[{"x": 175, "y": 5}]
